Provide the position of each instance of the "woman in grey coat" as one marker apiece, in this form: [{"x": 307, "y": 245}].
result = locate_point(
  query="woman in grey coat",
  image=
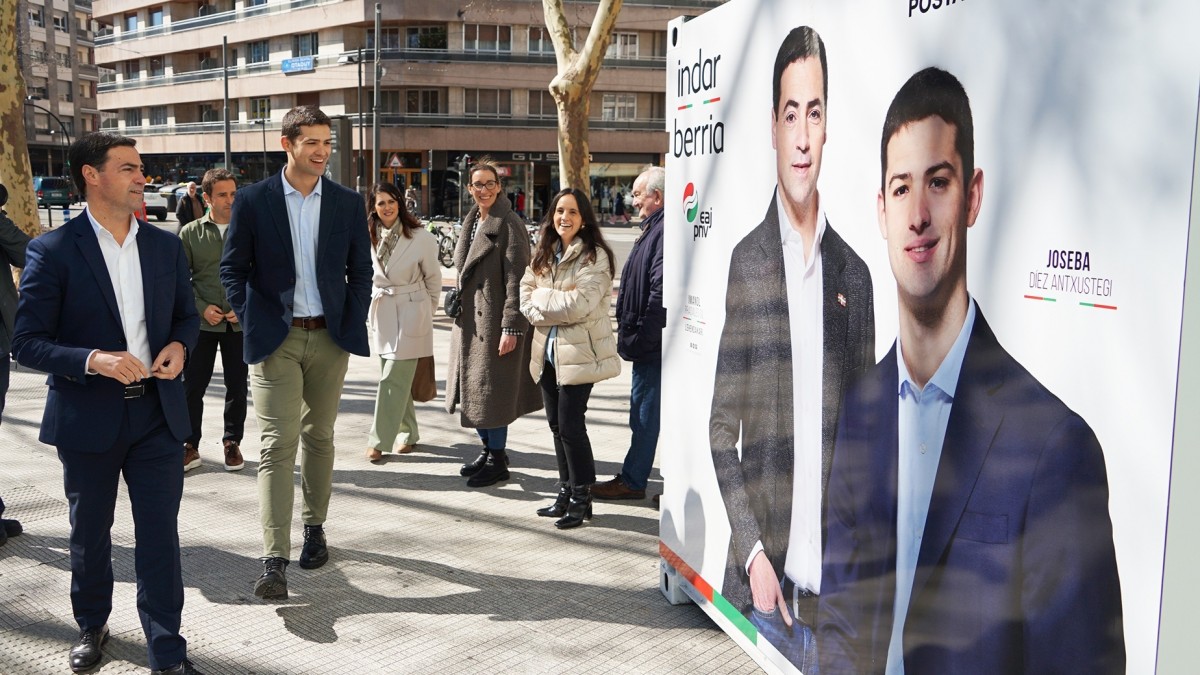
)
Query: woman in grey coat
[{"x": 490, "y": 345}]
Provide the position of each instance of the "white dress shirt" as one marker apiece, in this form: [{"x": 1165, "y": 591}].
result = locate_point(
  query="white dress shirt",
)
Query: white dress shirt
[
  {"x": 923, "y": 416},
  {"x": 125, "y": 272},
  {"x": 304, "y": 221},
  {"x": 804, "y": 282}
]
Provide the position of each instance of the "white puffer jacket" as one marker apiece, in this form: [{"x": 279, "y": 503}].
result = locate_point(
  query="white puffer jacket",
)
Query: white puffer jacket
[{"x": 575, "y": 298}]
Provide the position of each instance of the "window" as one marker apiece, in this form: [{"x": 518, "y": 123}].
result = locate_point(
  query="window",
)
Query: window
[
  {"x": 539, "y": 41},
  {"x": 259, "y": 52},
  {"x": 488, "y": 102},
  {"x": 423, "y": 102},
  {"x": 158, "y": 115},
  {"x": 254, "y": 3},
  {"x": 87, "y": 90},
  {"x": 304, "y": 45},
  {"x": 389, "y": 101},
  {"x": 133, "y": 117},
  {"x": 65, "y": 94},
  {"x": 487, "y": 38},
  {"x": 156, "y": 16},
  {"x": 260, "y": 108},
  {"x": 541, "y": 104},
  {"x": 426, "y": 37},
  {"x": 36, "y": 20},
  {"x": 131, "y": 23},
  {"x": 83, "y": 56},
  {"x": 618, "y": 107},
  {"x": 623, "y": 46},
  {"x": 156, "y": 68},
  {"x": 60, "y": 23},
  {"x": 206, "y": 9},
  {"x": 207, "y": 112},
  {"x": 131, "y": 69},
  {"x": 62, "y": 56},
  {"x": 389, "y": 38}
]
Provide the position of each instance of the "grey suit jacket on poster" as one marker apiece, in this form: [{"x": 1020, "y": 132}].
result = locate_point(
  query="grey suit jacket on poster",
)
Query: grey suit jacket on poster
[{"x": 752, "y": 395}]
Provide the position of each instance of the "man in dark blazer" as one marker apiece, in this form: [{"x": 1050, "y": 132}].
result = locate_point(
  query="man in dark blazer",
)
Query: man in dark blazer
[
  {"x": 799, "y": 319},
  {"x": 12, "y": 252},
  {"x": 968, "y": 526},
  {"x": 297, "y": 272},
  {"x": 106, "y": 309}
]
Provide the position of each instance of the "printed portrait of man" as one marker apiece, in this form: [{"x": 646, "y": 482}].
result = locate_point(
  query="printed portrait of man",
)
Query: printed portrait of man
[
  {"x": 967, "y": 515},
  {"x": 799, "y": 321}
]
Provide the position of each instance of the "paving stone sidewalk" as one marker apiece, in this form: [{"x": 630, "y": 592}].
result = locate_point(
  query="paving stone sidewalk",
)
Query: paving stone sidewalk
[{"x": 425, "y": 574}]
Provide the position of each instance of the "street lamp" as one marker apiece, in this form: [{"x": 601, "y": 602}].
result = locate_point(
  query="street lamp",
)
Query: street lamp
[
  {"x": 263, "y": 123},
  {"x": 358, "y": 59},
  {"x": 29, "y": 101}
]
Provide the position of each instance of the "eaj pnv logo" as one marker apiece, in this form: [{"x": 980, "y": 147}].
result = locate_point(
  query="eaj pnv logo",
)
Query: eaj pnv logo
[
  {"x": 691, "y": 205},
  {"x": 700, "y": 222}
]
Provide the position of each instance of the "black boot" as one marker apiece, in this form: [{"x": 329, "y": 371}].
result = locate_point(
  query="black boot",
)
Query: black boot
[
  {"x": 471, "y": 468},
  {"x": 493, "y": 471},
  {"x": 559, "y": 507},
  {"x": 579, "y": 508}
]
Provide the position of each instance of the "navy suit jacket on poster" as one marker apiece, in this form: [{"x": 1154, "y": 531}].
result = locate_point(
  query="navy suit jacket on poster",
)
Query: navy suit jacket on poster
[
  {"x": 258, "y": 267},
  {"x": 1016, "y": 571},
  {"x": 68, "y": 309}
]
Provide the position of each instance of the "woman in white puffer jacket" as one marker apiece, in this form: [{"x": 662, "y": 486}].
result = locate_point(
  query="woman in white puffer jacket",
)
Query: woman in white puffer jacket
[{"x": 565, "y": 294}]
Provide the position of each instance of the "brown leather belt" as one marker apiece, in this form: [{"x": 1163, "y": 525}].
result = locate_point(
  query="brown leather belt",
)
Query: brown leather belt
[{"x": 309, "y": 322}]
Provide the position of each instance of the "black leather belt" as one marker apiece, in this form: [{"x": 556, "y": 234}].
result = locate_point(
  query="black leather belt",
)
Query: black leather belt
[
  {"x": 801, "y": 601},
  {"x": 139, "y": 389},
  {"x": 309, "y": 322}
]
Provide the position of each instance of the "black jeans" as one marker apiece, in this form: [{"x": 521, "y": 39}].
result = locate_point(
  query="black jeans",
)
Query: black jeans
[
  {"x": 199, "y": 373},
  {"x": 566, "y": 408}
]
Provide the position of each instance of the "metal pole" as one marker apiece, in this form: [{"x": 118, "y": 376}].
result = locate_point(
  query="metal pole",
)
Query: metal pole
[
  {"x": 264, "y": 136},
  {"x": 225, "y": 113},
  {"x": 362, "y": 144},
  {"x": 375, "y": 106}
]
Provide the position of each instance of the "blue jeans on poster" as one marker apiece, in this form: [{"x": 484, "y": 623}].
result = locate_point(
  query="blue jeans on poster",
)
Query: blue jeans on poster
[
  {"x": 645, "y": 398},
  {"x": 797, "y": 643},
  {"x": 494, "y": 439}
]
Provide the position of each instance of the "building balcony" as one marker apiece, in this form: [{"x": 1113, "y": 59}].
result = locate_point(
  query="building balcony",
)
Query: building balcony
[
  {"x": 208, "y": 20},
  {"x": 401, "y": 120}
]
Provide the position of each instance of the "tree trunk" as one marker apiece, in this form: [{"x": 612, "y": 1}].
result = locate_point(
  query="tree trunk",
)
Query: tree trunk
[
  {"x": 15, "y": 173},
  {"x": 572, "y": 86}
]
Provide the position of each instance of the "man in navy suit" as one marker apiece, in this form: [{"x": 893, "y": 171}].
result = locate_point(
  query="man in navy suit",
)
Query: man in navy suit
[
  {"x": 297, "y": 271},
  {"x": 106, "y": 309},
  {"x": 967, "y": 510}
]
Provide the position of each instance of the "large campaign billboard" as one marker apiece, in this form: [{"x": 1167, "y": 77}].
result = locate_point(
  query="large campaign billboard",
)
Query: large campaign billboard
[{"x": 925, "y": 285}]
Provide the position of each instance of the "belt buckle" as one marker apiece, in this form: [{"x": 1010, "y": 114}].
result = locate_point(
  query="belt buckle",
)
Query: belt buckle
[{"x": 135, "y": 390}]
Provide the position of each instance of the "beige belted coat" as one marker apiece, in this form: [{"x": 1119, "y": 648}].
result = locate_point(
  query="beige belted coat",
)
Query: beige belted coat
[{"x": 404, "y": 294}]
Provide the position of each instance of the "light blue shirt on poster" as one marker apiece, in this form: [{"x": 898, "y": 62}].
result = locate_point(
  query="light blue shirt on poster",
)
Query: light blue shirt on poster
[
  {"x": 304, "y": 221},
  {"x": 923, "y": 416}
]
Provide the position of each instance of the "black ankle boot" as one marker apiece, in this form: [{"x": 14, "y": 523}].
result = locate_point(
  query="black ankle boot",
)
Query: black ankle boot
[
  {"x": 494, "y": 470},
  {"x": 471, "y": 468},
  {"x": 559, "y": 507},
  {"x": 579, "y": 508}
]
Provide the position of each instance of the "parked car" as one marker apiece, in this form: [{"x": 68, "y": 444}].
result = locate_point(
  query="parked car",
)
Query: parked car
[
  {"x": 156, "y": 202},
  {"x": 52, "y": 191}
]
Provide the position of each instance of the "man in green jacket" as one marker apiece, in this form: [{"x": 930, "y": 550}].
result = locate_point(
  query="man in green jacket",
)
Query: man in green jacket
[{"x": 203, "y": 241}]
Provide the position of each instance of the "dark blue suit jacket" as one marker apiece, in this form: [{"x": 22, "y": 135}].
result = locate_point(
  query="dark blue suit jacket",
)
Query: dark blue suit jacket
[
  {"x": 258, "y": 266},
  {"x": 1016, "y": 572},
  {"x": 68, "y": 308}
]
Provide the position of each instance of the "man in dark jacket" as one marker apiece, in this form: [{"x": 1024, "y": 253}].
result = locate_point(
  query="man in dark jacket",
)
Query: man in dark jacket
[
  {"x": 12, "y": 251},
  {"x": 190, "y": 207},
  {"x": 640, "y": 322}
]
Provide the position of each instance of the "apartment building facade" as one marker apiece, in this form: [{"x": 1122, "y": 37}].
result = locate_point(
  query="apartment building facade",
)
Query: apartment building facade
[
  {"x": 54, "y": 53},
  {"x": 457, "y": 79}
]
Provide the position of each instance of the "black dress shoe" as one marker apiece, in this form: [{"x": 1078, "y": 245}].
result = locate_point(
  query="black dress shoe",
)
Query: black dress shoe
[
  {"x": 11, "y": 527},
  {"x": 471, "y": 468},
  {"x": 559, "y": 507},
  {"x": 86, "y": 652},
  {"x": 494, "y": 471},
  {"x": 272, "y": 585},
  {"x": 314, "y": 553},
  {"x": 185, "y": 668}
]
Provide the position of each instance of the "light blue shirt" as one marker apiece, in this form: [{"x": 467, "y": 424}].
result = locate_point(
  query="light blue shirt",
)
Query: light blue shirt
[
  {"x": 304, "y": 220},
  {"x": 923, "y": 416}
]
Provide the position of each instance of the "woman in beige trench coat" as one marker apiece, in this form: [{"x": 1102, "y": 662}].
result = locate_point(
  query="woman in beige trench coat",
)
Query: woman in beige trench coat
[{"x": 405, "y": 288}]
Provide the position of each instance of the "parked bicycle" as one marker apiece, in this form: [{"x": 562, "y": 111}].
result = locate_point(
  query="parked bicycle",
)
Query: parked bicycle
[{"x": 446, "y": 231}]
